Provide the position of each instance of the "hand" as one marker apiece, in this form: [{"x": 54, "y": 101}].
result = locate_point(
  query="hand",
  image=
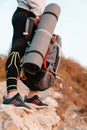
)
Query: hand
[{"x": 37, "y": 19}]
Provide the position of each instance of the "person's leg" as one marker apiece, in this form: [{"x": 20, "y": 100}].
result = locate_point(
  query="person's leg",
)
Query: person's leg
[
  {"x": 14, "y": 58},
  {"x": 17, "y": 51},
  {"x": 33, "y": 95}
]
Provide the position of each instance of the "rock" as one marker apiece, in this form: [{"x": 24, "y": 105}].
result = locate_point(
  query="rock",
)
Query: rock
[
  {"x": 12, "y": 127},
  {"x": 14, "y": 118}
]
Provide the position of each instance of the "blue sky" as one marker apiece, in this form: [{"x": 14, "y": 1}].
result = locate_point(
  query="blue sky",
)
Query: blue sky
[{"x": 72, "y": 27}]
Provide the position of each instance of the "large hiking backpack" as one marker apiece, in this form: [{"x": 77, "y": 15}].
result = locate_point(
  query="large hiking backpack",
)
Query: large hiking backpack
[{"x": 45, "y": 77}]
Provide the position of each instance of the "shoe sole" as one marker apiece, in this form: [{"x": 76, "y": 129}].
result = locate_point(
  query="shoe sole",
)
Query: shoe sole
[
  {"x": 23, "y": 108},
  {"x": 3, "y": 105},
  {"x": 36, "y": 106}
]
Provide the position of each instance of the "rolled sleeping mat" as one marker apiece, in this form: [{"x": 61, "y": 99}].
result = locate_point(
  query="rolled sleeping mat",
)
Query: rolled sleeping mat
[{"x": 35, "y": 54}]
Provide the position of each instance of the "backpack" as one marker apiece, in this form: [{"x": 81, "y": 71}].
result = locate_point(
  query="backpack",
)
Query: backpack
[{"x": 45, "y": 77}]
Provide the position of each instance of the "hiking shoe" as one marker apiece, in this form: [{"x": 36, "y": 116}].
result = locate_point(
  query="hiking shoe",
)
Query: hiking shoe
[
  {"x": 16, "y": 101},
  {"x": 35, "y": 100}
]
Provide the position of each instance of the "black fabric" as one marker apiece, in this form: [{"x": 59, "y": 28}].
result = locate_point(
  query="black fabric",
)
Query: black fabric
[
  {"x": 19, "y": 21},
  {"x": 18, "y": 46},
  {"x": 56, "y": 60},
  {"x": 41, "y": 81},
  {"x": 11, "y": 70}
]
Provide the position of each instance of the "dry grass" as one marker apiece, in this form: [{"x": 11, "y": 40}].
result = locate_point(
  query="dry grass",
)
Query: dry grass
[
  {"x": 74, "y": 84},
  {"x": 2, "y": 67}
]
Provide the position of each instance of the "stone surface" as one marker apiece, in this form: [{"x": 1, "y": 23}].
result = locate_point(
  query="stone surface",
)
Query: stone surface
[{"x": 14, "y": 118}]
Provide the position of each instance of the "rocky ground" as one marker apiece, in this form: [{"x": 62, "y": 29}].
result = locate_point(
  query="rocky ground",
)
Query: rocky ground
[{"x": 58, "y": 116}]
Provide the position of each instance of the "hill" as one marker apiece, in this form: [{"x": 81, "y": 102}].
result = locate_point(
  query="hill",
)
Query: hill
[
  {"x": 74, "y": 85},
  {"x": 72, "y": 108}
]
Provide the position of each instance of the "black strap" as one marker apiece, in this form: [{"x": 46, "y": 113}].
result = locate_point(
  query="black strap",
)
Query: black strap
[
  {"x": 51, "y": 13},
  {"x": 56, "y": 59}
]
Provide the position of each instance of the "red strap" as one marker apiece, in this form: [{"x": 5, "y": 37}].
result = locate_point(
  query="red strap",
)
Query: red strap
[{"x": 45, "y": 58}]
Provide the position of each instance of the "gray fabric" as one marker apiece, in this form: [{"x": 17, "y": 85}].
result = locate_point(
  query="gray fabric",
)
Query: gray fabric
[
  {"x": 45, "y": 78},
  {"x": 42, "y": 37}
]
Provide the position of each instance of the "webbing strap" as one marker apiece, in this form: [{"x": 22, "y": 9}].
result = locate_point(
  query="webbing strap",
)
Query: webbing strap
[
  {"x": 56, "y": 60},
  {"x": 51, "y": 14},
  {"x": 45, "y": 58}
]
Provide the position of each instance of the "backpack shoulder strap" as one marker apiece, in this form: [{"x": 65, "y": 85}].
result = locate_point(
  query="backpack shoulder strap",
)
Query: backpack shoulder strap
[
  {"x": 56, "y": 59},
  {"x": 45, "y": 58}
]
